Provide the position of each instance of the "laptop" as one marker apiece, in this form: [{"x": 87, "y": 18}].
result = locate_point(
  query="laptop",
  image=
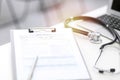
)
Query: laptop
[{"x": 112, "y": 17}]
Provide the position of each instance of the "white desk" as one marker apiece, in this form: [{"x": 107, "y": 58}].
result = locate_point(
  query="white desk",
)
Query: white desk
[{"x": 90, "y": 53}]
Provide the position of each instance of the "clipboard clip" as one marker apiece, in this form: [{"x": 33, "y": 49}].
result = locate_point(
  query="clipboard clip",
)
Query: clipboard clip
[{"x": 42, "y": 30}]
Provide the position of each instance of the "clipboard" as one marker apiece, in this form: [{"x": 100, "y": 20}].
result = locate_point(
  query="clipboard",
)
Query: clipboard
[{"x": 59, "y": 57}]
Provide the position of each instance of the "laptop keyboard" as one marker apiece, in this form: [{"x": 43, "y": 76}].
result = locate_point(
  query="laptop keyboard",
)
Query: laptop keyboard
[{"x": 111, "y": 21}]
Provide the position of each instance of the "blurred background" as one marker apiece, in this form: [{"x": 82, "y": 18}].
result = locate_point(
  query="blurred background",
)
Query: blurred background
[{"x": 19, "y": 14}]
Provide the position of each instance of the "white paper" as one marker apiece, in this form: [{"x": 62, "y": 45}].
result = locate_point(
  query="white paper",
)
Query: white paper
[{"x": 59, "y": 57}]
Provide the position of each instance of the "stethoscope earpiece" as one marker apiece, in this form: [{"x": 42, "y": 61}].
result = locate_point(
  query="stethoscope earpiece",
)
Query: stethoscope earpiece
[
  {"x": 101, "y": 71},
  {"x": 111, "y": 70}
]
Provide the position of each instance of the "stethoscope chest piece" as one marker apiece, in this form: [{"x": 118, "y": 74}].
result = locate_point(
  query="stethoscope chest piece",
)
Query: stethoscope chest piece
[{"x": 95, "y": 37}]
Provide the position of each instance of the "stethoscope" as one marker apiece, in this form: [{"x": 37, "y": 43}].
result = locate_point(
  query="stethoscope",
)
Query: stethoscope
[{"x": 95, "y": 37}]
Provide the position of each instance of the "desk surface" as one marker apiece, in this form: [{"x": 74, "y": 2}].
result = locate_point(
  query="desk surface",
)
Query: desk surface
[{"x": 89, "y": 51}]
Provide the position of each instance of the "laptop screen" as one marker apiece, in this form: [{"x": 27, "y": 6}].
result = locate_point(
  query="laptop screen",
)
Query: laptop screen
[{"x": 116, "y": 5}]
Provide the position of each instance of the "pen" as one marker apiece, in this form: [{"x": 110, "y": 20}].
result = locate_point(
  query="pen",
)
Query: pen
[{"x": 33, "y": 69}]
